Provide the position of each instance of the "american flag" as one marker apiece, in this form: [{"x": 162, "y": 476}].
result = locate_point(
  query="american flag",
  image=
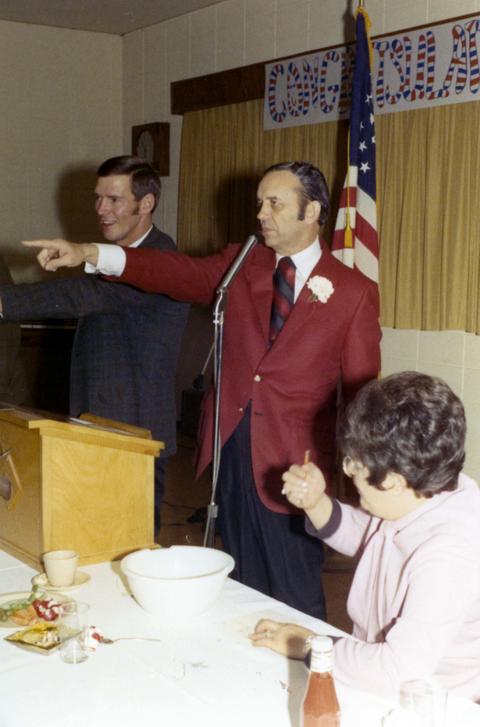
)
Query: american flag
[{"x": 355, "y": 240}]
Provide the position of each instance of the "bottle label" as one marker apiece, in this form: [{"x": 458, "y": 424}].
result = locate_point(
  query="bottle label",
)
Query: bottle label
[{"x": 322, "y": 661}]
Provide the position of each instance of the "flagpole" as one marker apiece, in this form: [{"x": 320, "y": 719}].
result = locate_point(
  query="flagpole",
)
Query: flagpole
[{"x": 355, "y": 238}]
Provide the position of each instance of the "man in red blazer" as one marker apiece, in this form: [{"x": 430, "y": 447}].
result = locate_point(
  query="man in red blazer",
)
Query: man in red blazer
[{"x": 278, "y": 398}]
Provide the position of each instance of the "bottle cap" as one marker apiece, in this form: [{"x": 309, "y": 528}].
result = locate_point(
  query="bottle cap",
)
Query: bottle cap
[{"x": 321, "y": 644}]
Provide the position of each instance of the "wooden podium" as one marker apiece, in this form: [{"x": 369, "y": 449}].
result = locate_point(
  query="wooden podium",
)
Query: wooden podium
[{"x": 84, "y": 484}]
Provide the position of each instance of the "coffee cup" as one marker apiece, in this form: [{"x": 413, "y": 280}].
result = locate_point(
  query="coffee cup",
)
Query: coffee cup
[{"x": 60, "y": 567}]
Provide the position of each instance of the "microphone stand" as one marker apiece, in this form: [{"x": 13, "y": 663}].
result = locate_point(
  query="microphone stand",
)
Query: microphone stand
[{"x": 218, "y": 316}]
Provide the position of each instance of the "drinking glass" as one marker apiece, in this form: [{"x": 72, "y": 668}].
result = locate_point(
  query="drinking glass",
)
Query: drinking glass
[
  {"x": 73, "y": 626},
  {"x": 423, "y": 702}
]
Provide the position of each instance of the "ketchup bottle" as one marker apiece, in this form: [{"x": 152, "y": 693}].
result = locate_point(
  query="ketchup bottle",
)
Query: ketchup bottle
[{"x": 320, "y": 706}]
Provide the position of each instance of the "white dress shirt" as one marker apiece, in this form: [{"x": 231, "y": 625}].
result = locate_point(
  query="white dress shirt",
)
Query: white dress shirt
[
  {"x": 304, "y": 261},
  {"x": 112, "y": 258}
]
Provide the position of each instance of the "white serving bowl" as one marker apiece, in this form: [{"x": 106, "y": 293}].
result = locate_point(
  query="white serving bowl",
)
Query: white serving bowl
[{"x": 177, "y": 582}]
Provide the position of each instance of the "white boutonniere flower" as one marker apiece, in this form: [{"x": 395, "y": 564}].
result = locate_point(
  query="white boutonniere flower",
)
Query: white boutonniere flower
[{"x": 321, "y": 288}]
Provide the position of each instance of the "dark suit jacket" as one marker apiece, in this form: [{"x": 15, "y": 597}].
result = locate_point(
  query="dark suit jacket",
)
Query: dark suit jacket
[
  {"x": 125, "y": 348},
  {"x": 12, "y": 382},
  {"x": 293, "y": 384}
]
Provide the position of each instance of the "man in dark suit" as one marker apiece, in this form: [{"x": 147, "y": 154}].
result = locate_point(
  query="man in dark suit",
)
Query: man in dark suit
[
  {"x": 279, "y": 389},
  {"x": 126, "y": 344}
]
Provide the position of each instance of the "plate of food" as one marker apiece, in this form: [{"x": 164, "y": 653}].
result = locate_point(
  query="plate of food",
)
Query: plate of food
[
  {"x": 42, "y": 637},
  {"x": 28, "y": 608}
]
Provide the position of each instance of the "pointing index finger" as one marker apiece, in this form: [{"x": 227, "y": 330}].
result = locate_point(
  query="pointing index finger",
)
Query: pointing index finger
[{"x": 39, "y": 243}]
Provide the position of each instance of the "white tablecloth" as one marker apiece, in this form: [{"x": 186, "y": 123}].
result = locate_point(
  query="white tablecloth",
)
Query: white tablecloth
[{"x": 204, "y": 673}]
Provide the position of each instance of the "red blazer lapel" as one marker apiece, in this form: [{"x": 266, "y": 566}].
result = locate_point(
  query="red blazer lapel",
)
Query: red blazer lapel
[
  {"x": 305, "y": 307},
  {"x": 260, "y": 275}
]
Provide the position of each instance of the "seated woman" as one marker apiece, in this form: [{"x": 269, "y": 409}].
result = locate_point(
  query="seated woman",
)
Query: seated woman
[{"x": 415, "y": 595}]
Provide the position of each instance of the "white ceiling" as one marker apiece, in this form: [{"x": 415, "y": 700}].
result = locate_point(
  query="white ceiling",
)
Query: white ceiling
[{"x": 103, "y": 16}]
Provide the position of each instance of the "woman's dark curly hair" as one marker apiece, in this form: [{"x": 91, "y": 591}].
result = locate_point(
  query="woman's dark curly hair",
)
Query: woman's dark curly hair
[{"x": 408, "y": 423}]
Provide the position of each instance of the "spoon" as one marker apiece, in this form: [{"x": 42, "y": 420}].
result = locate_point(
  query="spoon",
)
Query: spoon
[{"x": 105, "y": 640}]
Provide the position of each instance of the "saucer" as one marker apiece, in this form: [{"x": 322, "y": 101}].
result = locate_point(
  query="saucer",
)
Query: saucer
[{"x": 42, "y": 581}]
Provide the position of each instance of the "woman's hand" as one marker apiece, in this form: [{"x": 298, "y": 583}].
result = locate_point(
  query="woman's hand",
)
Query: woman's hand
[
  {"x": 304, "y": 486},
  {"x": 287, "y": 639}
]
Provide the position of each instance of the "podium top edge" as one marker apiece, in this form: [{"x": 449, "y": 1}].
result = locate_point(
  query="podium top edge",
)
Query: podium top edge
[{"x": 49, "y": 424}]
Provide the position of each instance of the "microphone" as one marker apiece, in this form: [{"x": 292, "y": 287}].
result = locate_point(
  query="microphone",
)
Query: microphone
[{"x": 237, "y": 263}]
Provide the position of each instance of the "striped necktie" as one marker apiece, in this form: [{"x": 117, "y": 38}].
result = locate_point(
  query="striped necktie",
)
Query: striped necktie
[{"x": 283, "y": 295}]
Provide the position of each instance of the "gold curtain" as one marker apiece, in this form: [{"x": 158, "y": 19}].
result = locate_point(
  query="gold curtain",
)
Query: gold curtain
[
  {"x": 224, "y": 153},
  {"x": 428, "y": 184}
]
